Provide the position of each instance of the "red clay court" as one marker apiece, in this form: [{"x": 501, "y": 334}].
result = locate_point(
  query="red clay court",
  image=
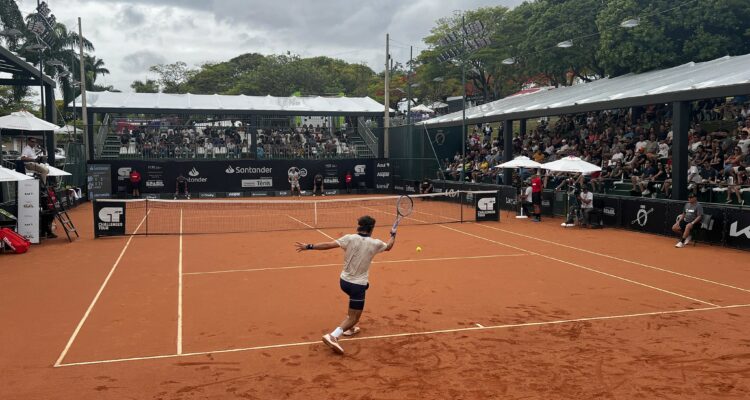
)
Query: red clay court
[{"x": 509, "y": 310}]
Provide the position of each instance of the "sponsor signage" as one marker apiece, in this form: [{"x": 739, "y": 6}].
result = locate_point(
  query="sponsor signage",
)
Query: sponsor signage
[
  {"x": 207, "y": 195},
  {"x": 221, "y": 176},
  {"x": 383, "y": 180},
  {"x": 28, "y": 209},
  {"x": 257, "y": 183},
  {"x": 487, "y": 207},
  {"x": 259, "y": 194},
  {"x": 99, "y": 181},
  {"x": 234, "y": 194},
  {"x": 738, "y": 228},
  {"x": 647, "y": 216},
  {"x": 109, "y": 218}
]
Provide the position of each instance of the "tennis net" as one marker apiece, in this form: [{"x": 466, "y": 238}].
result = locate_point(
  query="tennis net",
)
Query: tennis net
[{"x": 165, "y": 217}]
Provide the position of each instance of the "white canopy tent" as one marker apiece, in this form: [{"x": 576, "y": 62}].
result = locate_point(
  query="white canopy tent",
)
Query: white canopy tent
[
  {"x": 571, "y": 164},
  {"x": 68, "y": 129},
  {"x": 54, "y": 171},
  {"x": 195, "y": 103},
  {"x": 422, "y": 109}
]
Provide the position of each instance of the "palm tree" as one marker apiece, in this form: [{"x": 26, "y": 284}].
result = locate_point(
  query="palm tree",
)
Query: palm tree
[{"x": 11, "y": 18}]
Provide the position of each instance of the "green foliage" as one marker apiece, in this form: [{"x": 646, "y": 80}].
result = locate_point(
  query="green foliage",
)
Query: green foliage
[
  {"x": 9, "y": 104},
  {"x": 173, "y": 78},
  {"x": 149, "y": 86}
]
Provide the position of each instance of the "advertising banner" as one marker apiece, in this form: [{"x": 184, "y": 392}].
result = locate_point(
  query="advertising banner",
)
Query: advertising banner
[
  {"x": 28, "y": 209},
  {"x": 234, "y": 175},
  {"x": 738, "y": 228},
  {"x": 644, "y": 215},
  {"x": 109, "y": 218},
  {"x": 486, "y": 206},
  {"x": 383, "y": 175},
  {"x": 610, "y": 207}
]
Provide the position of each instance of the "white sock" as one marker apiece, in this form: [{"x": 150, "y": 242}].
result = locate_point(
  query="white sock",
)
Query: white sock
[{"x": 337, "y": 332}]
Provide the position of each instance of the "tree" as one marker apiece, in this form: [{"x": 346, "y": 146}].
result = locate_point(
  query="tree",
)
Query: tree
[
  {"x": 9, "y": 104},
  {"x": 696, "y": 31},
  {"x": 173, "y": 78},
  {"x": 149, "y": 86}
]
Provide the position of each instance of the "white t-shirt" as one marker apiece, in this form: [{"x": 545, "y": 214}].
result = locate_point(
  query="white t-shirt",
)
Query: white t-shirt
[
  {"x": 744, "y": 145},
  {"x": 360, "y": 251},
  {"x": 527, "y": 197},
  {"x": 640, "y": 145},
  {"x": 587, "y": 196},
  {"x": 29, "y": 152}
]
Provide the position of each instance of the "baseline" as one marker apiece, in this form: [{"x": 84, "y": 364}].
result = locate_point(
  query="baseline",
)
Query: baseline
[{"x": 423, "y": 333}]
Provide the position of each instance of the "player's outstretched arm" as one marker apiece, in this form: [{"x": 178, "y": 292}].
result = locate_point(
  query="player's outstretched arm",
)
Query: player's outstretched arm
[
  {"x": 316, "y": 246},
  {"x": 391, "y": 242}
]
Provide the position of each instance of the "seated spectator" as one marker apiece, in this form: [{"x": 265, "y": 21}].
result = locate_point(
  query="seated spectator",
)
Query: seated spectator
[
  {"x": 587, "y": 205},
  {"x": 685, "y": 225}
]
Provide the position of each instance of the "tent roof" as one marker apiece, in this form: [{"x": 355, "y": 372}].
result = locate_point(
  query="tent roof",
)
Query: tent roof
[
  {"x": 26, "y": 121},
  {"x": 12, "y": 63},
  {"x": 723, "y": 77},
  {"x": 160, "y": 103}
]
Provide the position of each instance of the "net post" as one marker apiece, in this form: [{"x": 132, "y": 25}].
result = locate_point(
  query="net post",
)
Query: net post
[
  {"x": 461, "y": 197},
  {"x": 315, "y": 213},
  {"x": 147, "y": 212}
]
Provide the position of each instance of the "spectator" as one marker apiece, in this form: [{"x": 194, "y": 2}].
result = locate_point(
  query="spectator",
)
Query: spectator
[
  {"x": 134, "y": 182},
  {"x": 587, "y": 205},
  {"x": 692, "y": 214}
]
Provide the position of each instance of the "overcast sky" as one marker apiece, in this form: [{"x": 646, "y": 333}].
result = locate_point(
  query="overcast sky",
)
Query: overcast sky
[{"x": 132, "y": 35}]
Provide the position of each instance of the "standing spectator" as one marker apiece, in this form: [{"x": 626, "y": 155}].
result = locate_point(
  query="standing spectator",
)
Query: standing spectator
[
  {"x": 135, "y": 183},
  {"x": 684, "y": 226},
  {"x": 536, "y": 195},
  {"x": 348, "y": 181},
  {"x": 587, "y": 205}
]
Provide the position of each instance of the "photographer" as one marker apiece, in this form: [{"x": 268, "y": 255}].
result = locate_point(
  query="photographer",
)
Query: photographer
[{"x": 32, "y": 160}]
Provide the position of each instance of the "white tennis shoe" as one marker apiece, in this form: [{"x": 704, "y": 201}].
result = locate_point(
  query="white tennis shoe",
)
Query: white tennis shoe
[
  {"x": 333, "y": 343},
  {"x": 352, "y": 331}
]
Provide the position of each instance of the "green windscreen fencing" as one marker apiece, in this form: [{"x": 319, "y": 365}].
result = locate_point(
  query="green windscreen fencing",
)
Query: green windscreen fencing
[
  {"x": 75, "y": 163},
  {"x": 416, "y": 153}
]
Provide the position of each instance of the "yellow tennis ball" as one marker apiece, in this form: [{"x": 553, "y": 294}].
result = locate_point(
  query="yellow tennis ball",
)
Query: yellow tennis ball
[{"x": 419, "y": 249}]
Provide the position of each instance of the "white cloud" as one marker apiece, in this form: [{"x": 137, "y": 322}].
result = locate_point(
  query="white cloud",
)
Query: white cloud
[{"x": 129, "y": 35}]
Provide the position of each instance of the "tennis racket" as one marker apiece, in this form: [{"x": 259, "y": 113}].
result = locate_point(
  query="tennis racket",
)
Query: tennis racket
[{"x": 404, "y": 207}]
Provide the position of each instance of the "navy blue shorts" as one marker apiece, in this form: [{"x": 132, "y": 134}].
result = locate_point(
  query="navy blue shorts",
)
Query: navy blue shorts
[{"x": 356, "y": 294}]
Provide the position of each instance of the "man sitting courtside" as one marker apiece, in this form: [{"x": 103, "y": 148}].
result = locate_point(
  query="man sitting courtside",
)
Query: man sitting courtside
[{"x": 684, "y": 226}]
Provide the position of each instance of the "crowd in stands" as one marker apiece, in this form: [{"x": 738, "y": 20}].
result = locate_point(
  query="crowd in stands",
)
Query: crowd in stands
[
  {"x": 633, "y": 147},
  {"x": 232, "y": 142}
]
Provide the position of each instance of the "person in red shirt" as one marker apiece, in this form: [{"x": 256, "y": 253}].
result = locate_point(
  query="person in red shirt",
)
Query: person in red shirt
[
  {"x": 135, "y": 183},
  {"x": 348, "y": 180},
  {"x": 536, "y": 196}
]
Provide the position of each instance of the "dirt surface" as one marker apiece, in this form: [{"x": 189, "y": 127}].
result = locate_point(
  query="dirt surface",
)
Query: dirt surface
[{"x": 509, "y": 310}]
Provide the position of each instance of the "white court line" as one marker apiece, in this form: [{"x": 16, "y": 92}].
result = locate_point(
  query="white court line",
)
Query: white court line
[
  {"x": 179, "y": 293},
  {"x": 619, "y": 259},
  {"x": 310, "y": 226},
  {"x": 409, "y": 334},
  {"x": 577, "y": 265},
  {"x": 339, "y": 264},
  {"x": 99, "y": 293}
]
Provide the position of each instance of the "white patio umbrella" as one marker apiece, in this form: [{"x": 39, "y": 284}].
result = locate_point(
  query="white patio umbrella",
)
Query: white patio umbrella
[
  {"x": 26, "y": 121},
  {"x": 520, "y": 162},
  {"x": 571, "y": 164},
  {"x": 8, "y": 175}
]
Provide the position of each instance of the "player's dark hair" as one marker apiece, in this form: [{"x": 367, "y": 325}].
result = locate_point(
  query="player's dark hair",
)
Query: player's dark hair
[{"x": 365, "y": 224}]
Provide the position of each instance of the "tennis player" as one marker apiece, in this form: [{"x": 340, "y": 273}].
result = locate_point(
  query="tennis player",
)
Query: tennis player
[
  {"x": 294, "y": 181},
  {"x": 360, "y": 249}
]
